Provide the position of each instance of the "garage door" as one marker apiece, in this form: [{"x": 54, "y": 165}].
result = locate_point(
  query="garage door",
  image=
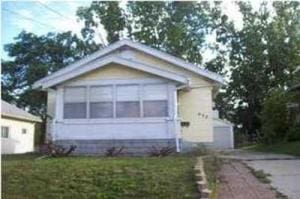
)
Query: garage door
[{"x": 223, "y": 137}]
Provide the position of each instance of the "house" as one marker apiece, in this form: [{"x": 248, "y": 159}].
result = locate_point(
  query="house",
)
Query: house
[
  {"x": 128, "y": 94},
  {"x": 17, "y": 129}
]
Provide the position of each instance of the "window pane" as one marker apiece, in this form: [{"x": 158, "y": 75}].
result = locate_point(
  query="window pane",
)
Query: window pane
[
  {"x": 155, "y": 108},
  {"x": 74, "y": 110},
  {"x": 128, "y": 109},
  {"x": 4, "y": 131},
  {"x": 128, "y": 93},
  {"x": 75, "y": 94},
  {"x": 155, "y": 92},
  {"x": 24, "y": 131},
  {"x": 101, "y": 109},
  {"x": 101, "y": 93}
]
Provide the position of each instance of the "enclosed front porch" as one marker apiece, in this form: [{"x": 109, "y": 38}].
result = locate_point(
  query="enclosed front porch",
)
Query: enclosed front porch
[{"x": 134, "y": 114}]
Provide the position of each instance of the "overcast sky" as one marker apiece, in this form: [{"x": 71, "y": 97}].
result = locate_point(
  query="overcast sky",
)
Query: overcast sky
[{"x": 41, "y": 17}]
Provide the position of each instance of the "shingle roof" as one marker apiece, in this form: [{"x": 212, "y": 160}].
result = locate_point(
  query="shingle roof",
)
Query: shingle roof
[{"x": 12, "y": 111}]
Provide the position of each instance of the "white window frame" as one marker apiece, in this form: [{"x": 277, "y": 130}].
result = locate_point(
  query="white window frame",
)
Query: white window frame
[{"x": 114, "y": 84}]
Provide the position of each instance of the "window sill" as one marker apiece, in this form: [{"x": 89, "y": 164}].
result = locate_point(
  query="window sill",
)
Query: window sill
[{"x": 116, "y": 120}]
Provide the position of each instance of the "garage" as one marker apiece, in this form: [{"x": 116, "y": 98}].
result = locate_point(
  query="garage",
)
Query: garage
[{"x": 223, "y": 134}]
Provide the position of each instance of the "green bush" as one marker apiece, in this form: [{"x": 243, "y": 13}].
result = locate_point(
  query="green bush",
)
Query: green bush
[
  {"x": 294, "y": 133},
  {"x": 275, "y": 123}
]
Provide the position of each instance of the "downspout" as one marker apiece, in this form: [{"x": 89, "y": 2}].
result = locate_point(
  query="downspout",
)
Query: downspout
[
  {"x": 175, "y": 122},
  {"x": 176, "y": 119}
]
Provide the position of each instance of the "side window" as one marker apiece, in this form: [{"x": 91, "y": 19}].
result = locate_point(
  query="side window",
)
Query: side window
[
  {"x": 4, "y": 131},
  {"x": 24, "y": 131}
]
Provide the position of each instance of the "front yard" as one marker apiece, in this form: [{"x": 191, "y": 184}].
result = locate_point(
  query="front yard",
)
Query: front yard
[{"x": 92, "y": 177}]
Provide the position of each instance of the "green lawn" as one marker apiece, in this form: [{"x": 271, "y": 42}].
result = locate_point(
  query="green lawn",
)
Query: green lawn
[
  {"x": 292, "y": 148},
  {"x": 92, "y": 177},
  {"x": 212, "y": 165}
]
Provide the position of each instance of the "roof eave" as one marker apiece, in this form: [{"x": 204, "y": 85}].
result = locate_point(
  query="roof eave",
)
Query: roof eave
[
  {"x": 33, "y": 120},
  {"x": 118, "y": 60},
  {"x": 154, "y": 52}
]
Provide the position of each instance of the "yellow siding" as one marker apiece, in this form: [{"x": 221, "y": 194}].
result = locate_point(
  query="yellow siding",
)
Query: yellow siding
[
  {"x": 195, "y": 107},
  {"x": 114, "y": 71},
  {"x": 196, "y": 79}
]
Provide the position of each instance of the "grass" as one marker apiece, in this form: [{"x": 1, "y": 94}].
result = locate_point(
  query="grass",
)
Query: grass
[
  {"x": 261, "y": 175},
  {"x": 292, "y": 148},
  {"x": 212, "y": 165},
  {"x": 92, "y": 177}
]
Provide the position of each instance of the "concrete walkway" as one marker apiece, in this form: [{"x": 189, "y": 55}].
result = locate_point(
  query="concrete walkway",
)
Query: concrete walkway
[
  {"x": 284, "y": 169},
  {"x": 285, "y": 175},
  {"x": 237, "y": 182}
]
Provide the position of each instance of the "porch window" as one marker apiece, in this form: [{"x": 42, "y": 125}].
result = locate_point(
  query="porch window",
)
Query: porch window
[
  {"x": 75, "y": 102},
  {"x": 101, "y": 102},
  {"x": 116, "y": 101},
  {"x": 155, "y": 100},
  {"x": 128, "y": 103}
]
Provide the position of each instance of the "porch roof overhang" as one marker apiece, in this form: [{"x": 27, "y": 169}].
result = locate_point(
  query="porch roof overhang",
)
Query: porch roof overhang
[{"x": 103, "y": 61}]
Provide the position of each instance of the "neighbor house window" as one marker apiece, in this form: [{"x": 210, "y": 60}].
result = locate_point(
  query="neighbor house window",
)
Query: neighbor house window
[
  {"x": 4, "y": 131},
  {"x": 101, "y": 102},
  {"x": 24, "y": 131},
  {"x": 128, "y": 103},
  {"x": 155, "y": 100},
  {"x": 75, "y": 103}
]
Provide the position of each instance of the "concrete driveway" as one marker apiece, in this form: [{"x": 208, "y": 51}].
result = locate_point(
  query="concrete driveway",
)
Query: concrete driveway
[
  {"x": 285, "y": 175},
  {"x": 284, "y": 169}
]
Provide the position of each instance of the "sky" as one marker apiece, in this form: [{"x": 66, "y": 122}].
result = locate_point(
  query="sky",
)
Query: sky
[{"x": 43, "y": 16}]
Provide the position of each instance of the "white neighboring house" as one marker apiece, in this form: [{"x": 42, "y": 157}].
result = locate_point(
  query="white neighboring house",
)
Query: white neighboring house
[{"x": 17, "y": 129}]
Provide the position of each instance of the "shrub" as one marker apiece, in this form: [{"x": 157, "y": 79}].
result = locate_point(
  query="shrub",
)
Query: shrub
[
  {"x": 161, "y": 152},
  {"x": 275, "y": 122},
  {"x": 114, "y": 151},
  {"x": 54, "y": 150},
  {"x": 294, "y": 133}
]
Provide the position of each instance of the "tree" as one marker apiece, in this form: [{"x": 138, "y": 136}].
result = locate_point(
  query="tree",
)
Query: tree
[
  {"x": 178, "y": 28},
  {"x": 34, "y": 57},
  {"x": 261, "y": 57},
  {"x": 108, "y": 13}
]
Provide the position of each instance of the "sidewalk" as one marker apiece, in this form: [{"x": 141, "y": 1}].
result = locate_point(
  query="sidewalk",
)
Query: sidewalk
[{"x": 237, "y": 182}]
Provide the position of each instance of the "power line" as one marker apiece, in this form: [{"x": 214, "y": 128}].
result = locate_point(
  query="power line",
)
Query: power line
[
  {"x": 28, "y": 18},
  {"x": 58, "y": 13},
  {"x": 53, "y": 10}
]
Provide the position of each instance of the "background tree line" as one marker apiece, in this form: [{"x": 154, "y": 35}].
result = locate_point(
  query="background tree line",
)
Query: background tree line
[{"x": 257, "y": 59}]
